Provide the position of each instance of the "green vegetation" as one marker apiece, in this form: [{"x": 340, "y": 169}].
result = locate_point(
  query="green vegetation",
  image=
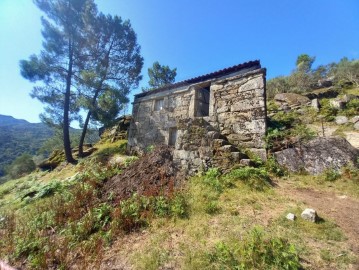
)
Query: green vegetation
[
  {"x": 216, "y": 221},
  {"x": 255, "y": 251},
  {"x": 18, "y": 137},
  {"x": 286, "y": 129},
  {"x": 21, "y": 166},
  {"x": 343, "y": 75},
  {"x": 84, "y": 47},
  {"x": 160, "y": 75}
]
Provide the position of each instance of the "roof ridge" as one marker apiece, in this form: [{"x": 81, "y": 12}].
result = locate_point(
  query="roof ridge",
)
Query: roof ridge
[{"x": 212, "y": 75}]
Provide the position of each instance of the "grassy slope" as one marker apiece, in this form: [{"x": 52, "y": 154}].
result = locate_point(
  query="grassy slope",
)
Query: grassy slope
[
  {"x": 220, "y": 218},
  {"x": 188, "y": 244},
  {"x": 227, "y": 221}
]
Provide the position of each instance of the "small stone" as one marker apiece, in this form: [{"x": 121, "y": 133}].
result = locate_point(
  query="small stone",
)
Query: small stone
[
  {"x": 340, "y": 120},
  {"x": 290, "y": 216},
  {"x": 356, "y": 126},
  {"x": 354, "y": 119},
  {"x": 246, "y": 162},
  {"x": 309, "y": 215},
  {"x": 337, "y": 103},
  {"x": 315, "y": 104}
]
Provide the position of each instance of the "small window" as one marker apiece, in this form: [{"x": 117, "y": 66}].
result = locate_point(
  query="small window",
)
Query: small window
[
  {"x": 203, "y": 101},
  {"x": 159, "y": 105},
  {"x": 172, "y": 136}
]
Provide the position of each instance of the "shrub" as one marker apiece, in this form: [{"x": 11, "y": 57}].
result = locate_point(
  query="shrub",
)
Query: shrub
[
  {"x": 273, "y": 167},
  {"x": 352, "y": 108},
  {"x": 255, "y": 251},
  {"x": 179, "y": 206},
  {"x": 331, "y": 174},
  {"x": 21, "y": 166},
  {"x": 255, "y": 178},
  {"x": 329, "y": 112}
]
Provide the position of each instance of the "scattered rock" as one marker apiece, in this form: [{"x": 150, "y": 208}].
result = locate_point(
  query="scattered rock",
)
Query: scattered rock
[
  {"x": 288, "y": 101},
  {"x": 327, "y": 93},
  {"x": 55, "y": 159},
  {"x": 315, "y": 104},
  {"x": 291, "y": 216},
  {"x": 309, "y": 215},
  {"x": 318, "y": 155},
  {"x": 341, "y": 120},
  {"x": 246, "y": 162},
  {"x": 356, "y": 126},
  {"x": 118, "y": 131},
  {"x": 327, "y": 82},
  {"x": 337, "y": 103},
  {"x": 354, "y": 119}
]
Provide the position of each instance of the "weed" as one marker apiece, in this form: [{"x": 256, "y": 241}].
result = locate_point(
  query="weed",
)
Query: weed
[
  {"x": 331, "y": 174},
  {"x": 273, "y": 167},
  {"x": 255, "y": 251},
  {"x": 130, "y": 160},
  {"x": 150, "y": 148},
  {"x": 256, "y": 178},
  {"x": 179, "y": 206}
]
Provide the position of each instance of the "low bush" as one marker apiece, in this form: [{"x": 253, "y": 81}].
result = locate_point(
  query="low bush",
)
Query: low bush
[
  {"x": 256, "y": 178},
  {"x": 255, "y": 251}
]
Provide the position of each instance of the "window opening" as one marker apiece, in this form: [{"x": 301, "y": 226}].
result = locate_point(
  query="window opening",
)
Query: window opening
[
  {"x": 203, "y": 101},
  {"x": 172, "y": 136},
  {"x": 159, "y": 105}
]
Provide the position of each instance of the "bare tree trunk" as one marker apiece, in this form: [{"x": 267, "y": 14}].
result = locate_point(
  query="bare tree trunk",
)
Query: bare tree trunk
[
  {"x": 83, "y": 134},
  {"x": 87, "y": 120},
  {"x": 66, "y": 126}
]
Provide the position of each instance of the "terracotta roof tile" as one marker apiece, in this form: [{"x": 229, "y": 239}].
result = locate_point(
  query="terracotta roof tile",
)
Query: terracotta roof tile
[{"x": 213, "y": 75}]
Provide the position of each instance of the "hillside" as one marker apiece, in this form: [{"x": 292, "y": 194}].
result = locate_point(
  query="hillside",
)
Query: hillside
[
  {"x": 84, "y": 217},
  {"x": 18, "y": 137},
  {"x": 114, "y": 211}
]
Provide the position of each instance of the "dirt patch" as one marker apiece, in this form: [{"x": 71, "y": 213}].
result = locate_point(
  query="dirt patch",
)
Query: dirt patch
[
  {"x": 343, "y": 210},
  {"x": 152, "y": 175}
]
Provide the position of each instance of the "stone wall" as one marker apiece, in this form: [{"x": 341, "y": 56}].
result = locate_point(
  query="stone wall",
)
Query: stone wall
[
  {"x": 236, "y": 111},
  {"x": 150, "y": 127}
]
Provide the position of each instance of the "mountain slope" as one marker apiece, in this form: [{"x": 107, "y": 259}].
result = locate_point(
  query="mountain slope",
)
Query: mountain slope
[{"x": 18, "y": 137}]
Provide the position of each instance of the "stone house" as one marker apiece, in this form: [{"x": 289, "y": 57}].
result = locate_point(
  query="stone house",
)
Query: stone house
[{"x": 229, "y": 106}]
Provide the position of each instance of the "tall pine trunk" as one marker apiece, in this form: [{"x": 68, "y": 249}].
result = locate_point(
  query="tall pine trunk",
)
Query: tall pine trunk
[
  {"x": 83, "y": 134},
  {"x": 66, "y": 124},
  {"x": 87, "y": 120}
]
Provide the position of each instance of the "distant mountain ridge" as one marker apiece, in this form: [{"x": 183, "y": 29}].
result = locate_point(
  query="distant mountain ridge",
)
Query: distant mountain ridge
[
  {"x": 6, "y": 120},
  {"x": 18, "y": 136}
]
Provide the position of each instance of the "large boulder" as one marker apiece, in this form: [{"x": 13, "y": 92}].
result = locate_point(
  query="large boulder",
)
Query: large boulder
[
  {"x": 287, "y": 101},
  {"x": 318, "y": 155}
]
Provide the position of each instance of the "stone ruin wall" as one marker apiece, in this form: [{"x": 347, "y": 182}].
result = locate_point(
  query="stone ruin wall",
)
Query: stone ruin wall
[
  {"x": 237, "y": 114},
  {"x": 239, "y": 110},
  {"x": 150, "y": 127}
]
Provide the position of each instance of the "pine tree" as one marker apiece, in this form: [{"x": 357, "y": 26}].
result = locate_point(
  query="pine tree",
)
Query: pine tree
[
  {"x": 60, "y": 62},
  {"x": 160, "y": 75},
  {"x": 112, "y": 69}
]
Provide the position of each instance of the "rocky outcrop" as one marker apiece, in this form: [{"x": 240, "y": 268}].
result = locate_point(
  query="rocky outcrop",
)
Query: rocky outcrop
[
  {"x": 327, "y": 93},
  {"x": 318, "y": 155},
  {"x": 118, "y": 131},
  {"x": 289, "y": 101}
]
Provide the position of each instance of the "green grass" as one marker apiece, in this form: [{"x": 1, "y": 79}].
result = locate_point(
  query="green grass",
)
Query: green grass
[{"x": 231, "y": 221}]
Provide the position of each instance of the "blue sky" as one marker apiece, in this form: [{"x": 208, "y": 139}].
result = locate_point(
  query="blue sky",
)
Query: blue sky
[{"x": 197, "y": 37}]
